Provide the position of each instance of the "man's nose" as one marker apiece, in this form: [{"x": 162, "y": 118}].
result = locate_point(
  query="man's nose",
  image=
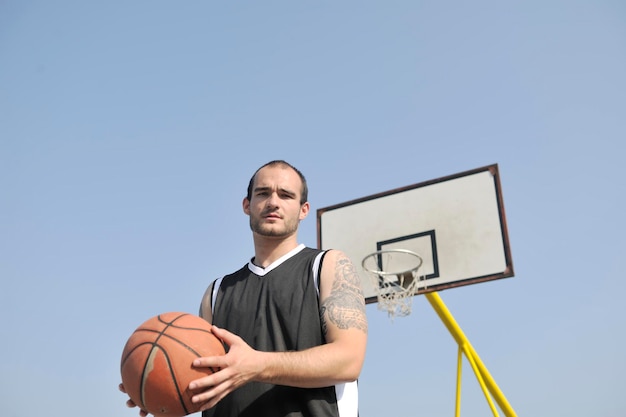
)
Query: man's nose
[{"x": 272, "y": 200}]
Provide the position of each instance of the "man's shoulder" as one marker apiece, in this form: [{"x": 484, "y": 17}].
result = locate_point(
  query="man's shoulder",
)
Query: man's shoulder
[
  {"x": 310, "y": 250},
  {"x": 243, "y": 269}
]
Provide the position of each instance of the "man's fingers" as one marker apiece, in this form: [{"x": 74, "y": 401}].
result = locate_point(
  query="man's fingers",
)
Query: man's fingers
[
  {"x": 131, "y": 404},
  {"x": 215, "y": 363},
  {"x": 224, "y": 335},
  {"x": 211, "y": 397}
]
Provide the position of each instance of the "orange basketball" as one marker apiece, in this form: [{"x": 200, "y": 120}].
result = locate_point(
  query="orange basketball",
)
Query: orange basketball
[{"x": 156, "y": 362}]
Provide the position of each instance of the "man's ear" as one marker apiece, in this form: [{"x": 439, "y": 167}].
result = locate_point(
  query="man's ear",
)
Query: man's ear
[
  {"x": 246, "y": 205},
  {"x": 304, "y": 210}
]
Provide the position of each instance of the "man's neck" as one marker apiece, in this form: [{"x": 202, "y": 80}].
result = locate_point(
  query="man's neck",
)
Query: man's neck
[{"x": 268, "y": 250}]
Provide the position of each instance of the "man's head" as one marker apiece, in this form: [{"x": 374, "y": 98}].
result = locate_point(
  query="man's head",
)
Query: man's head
[
  {"x": 276, "y": 200},
  {"x": 304, "y": 192}
]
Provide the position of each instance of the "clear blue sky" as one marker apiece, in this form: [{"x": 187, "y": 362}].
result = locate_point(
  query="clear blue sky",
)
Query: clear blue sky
[{"x": 129, "y": 130}]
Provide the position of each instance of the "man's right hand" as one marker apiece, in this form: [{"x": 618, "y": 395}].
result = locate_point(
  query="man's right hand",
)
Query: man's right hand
[{"x": 130, "y": 403}]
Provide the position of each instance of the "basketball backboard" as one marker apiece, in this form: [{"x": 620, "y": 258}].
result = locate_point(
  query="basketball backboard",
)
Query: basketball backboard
[{"x": 456, "y": 224}]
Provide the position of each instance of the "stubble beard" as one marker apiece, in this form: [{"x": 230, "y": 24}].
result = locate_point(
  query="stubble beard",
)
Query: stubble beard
[{"x": 271, "y": 230}]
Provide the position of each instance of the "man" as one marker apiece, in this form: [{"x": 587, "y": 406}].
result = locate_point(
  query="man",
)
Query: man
[{"x": 293, "y": 319}]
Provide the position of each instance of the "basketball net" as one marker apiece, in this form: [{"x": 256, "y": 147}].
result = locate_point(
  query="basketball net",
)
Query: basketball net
[{"x": 395, "y": 277}]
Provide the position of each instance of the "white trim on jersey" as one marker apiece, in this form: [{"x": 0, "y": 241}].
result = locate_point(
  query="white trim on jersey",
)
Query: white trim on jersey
[
  {"x": 347, "y": 393},
  {"x": 260, "y": 271}
]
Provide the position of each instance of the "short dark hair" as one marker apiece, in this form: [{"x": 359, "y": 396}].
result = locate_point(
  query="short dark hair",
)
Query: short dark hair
[{"x": 304, "y": 194}]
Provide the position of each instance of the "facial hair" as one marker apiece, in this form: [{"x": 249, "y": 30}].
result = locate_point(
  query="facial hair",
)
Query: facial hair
[{"x": 289, "y": 226}]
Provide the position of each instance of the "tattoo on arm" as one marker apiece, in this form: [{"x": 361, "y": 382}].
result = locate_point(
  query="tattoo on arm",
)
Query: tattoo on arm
[{"x": 345, "y": 305}]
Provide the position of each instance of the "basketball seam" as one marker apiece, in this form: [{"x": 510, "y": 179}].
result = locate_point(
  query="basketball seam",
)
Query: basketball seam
[{"x": 167, "y": 359}]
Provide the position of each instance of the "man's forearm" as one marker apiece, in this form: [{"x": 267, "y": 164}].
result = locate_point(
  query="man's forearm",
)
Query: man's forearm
[{"x": 319, "y": 366}]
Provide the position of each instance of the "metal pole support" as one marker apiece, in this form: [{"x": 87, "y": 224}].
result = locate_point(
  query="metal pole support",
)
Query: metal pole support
[{"x": 483, "y": 375}]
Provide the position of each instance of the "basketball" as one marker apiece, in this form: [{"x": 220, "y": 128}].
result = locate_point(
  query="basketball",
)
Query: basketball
[{"x": 156, "y": 363}]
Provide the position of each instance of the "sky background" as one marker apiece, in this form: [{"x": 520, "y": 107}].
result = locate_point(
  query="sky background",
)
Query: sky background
[{"x": 129, "y": 131}]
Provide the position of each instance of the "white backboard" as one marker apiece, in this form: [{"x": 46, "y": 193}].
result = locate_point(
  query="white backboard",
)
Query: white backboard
[{"x": 456, "y": 224}]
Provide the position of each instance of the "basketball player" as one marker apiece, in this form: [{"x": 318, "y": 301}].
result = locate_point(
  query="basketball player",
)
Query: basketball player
[{"x": 293, "y": 318}]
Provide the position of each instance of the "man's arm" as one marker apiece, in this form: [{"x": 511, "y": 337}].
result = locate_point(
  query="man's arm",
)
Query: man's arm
[
  {"x": 205, "y": 305},
  {"x": 344, "y": 322}
]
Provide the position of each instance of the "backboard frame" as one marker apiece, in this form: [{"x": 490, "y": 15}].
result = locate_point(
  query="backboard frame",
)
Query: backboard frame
[{"x": 430, "y": 235}]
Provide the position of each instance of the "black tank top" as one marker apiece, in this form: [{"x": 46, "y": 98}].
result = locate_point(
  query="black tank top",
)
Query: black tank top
[{"x": 274, "y": 309}]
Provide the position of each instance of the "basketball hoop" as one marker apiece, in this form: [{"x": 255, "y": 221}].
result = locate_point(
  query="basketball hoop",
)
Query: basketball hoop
[{"x": 394, "y": 275}]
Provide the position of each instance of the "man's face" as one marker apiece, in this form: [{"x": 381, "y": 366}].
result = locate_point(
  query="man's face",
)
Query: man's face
[{"x": 274, "y": 208}]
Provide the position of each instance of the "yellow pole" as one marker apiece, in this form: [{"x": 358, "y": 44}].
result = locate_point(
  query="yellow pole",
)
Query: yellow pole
[
  {"x": 448, "y": 320},
  {"x": 481, "y": 381},
  {"x": 459, "y": 371}
]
